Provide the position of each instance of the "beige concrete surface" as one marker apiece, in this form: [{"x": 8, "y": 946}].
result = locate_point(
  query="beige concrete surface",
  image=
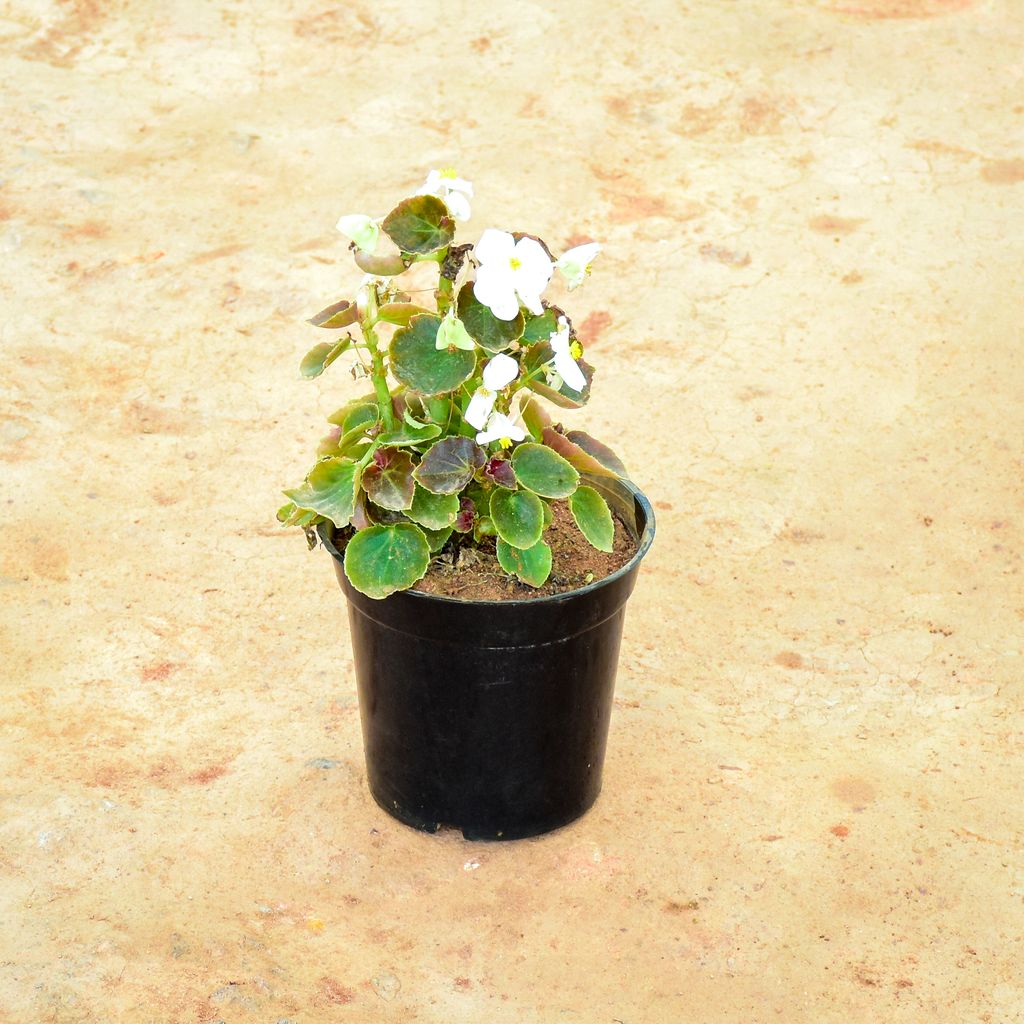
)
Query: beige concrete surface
[{"x": 807, "y": 327}]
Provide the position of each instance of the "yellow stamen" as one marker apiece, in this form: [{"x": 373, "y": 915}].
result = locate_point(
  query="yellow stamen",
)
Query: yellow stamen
[
  {"x": 576, "y": 350},
  {"x": 448, "y": 172},
  {"x": 505, "y": 442},
  {"x": 515, "y": 263}
]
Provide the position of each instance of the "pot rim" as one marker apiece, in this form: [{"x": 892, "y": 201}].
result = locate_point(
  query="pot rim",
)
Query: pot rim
[{"x": 325, "y": 531}]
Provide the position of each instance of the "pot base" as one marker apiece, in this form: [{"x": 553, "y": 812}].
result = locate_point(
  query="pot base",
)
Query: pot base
[{"x": 477, "y": 833}]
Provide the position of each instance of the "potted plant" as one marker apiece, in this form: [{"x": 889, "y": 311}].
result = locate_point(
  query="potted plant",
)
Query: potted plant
[{"x": 460, "y": 518}]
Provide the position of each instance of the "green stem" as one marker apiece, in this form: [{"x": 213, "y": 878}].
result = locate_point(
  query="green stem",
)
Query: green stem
[
  {"x": 444, "y": 294},
  {"x": 379, "y": 376}
]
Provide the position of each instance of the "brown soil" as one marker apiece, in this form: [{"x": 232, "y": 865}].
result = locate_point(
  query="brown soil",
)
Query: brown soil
[{"x": 473, "y": 573}]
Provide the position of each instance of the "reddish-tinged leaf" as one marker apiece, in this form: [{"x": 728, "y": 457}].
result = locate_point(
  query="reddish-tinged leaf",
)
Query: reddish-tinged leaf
[
  {"x": 596, "y": 449},
  {"x": 449, "y": 465},
  {"x": 500, "y": 471},
  {"x": 467, "y": 516},
  {"x": 341, "y": 314},
  {"x": 388, "y": 479},
  {"x": 574, "y": 454}
]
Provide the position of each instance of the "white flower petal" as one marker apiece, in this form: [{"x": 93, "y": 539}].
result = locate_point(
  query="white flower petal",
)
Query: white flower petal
[
  {"x": 531, "y": 300},
  {"x": 458, "y": 205},
  {"x": 494, "y": 247},
  {"x": 583, "y": 255},
  {"x": 535, "y": 264},
  {"x": 363, "y": 230},
  {"x": 499, "y": 372},
  {"x": 569, "y": 371},
  {"x": 495, "y": 288},
  {"x": 575, "y": 264},
  {"x": 499, "y": 427},
  {"x": 479, "y": 408}
]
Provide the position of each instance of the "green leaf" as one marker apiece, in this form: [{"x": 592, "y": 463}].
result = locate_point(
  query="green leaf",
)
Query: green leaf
[
  {"x": 434, "y": 511},
  {"x": 574, "y": 454},
  {"x": 417, "y": 363},
  {"x": 601, "y": 452},
  {"x": 540, "y": 328},
  {"x": 539, "y": 354},
  {"x": 290, "y": 515},
  {"x": 518, "y": 517},
  {"x": 544, "y": 471},
  {"x": 379, "y": 266},
  {"x": 593, "y": 517},
  {"x": 330, "y": 489},
  {"x": 420, "y": 225},
  {"x": 399, "y": 312},
  {"x": 483, "y": 326},
  {"x": 339, "y": 415},
  {"x": 341, "y": 314},
  {"x": 531, "y": 565},
  {"x": 407, "y": 435},
  {"x": 437, "y": 538},
  {"x": 319, "y": 357},
  {"x": 388, "y": 480},
  {"x": 383, "y": 559},
  {"x": 449, "y": 465},
  {"x": 535, "y": 416}
]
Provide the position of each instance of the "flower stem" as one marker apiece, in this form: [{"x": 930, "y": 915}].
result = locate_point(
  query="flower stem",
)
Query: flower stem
[
  {"x": 379, "y": 375},
  {"x": 378, "y": 371}
]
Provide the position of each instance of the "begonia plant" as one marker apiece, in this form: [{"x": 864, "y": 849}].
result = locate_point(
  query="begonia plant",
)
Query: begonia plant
[{"x": 451, "y": 446}]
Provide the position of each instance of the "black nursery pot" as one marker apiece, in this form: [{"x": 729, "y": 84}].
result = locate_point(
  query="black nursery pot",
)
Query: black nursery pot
[{"x": 491, "y": 716}]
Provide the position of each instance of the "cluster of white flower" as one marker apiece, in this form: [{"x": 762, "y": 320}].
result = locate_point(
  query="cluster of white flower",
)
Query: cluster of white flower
[{"x": 510, "y": 273}]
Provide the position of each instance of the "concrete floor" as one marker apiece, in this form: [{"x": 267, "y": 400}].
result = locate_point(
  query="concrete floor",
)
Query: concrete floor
[{"x": 807, "y": 326}]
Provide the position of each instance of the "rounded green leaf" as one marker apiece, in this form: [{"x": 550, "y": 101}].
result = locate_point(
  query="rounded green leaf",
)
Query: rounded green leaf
[
  {"x": 540, "y": 328},
  {"x": 420, "y": 225},
  {"x": 388, "y": 479},
  {"x": 483, "y": 326},
  {"x": 339, "y": 415},
  {"x": 330, "y": 489},
  {"x": 406, "y": 434},
  {"x": 421, "y": 366},
  {"x": 449, "y": 465},
  {"x": 544, "y": 471},
  {"x": 531, "y": 565},
  {"x": 593, "y": 517},
  {"x": 518, "y": 517},
  {"x": 383, "y": 559},
  {"x": 399, "y": 313},
  {"x": 434, "y": 511},
  {"x": 437, "y": 538},
  {"x": 319, "y": 357}
]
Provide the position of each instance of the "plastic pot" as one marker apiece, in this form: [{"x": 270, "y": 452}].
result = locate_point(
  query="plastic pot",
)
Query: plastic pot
[{"x": 491, "y": 716}]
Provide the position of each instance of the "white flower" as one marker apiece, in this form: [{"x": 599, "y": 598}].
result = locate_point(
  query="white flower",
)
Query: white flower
[
  {"x": 453, "y": 332},
  {"x": 509, "y": 268},
  {"x": 455, "y": 191},
  {"x": 566, "y": 354},
  {"x": 361, "y": 229},
  {"x": 499, "y": 372},
  {"x": 575, "y": 264},
  {"x": 501, "y": 429}
]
